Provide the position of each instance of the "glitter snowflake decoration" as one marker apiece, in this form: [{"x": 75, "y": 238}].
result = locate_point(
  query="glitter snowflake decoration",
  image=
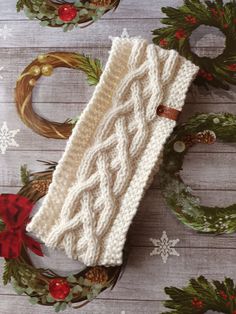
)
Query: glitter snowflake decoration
[
  {"x": 7, "y": 138},
  {"x": 164, "y": 247},
  {"x": 5, "y": 32}
]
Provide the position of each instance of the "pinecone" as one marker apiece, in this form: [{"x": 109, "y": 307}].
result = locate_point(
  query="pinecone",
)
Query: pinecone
[
  {"x": 97, "y": 275},
  {"x": 190, "y": 140},
  {"x": 41, "y": 186},
  {"x": 206, "y": 137},
  {"x": 101, "y": 3}
]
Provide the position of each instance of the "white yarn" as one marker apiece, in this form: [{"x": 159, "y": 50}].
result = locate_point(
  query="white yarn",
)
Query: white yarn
[{"x": 97, "y": 187}]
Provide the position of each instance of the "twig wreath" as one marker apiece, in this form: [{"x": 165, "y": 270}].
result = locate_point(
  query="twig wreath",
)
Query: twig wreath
[
  {"x": 60, "y": 13},
  {"x": 201, "y": 128},
  {"x": 218, "y": 71},
  {"x": 44, "y": 65},
  {"x": 43, "y": 286},
  {"x": 201, "y": 296}
]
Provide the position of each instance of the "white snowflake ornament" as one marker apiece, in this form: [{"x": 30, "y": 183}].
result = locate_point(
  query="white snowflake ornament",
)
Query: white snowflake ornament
[
  {"x": 7, "y": 138},
  {"x": 164, "y": 247},
  {"x": 5, "y": 32}
]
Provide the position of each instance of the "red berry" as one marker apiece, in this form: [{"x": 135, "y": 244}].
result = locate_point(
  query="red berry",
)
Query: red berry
[
  {"x": 67, "y": 12},
  {"x": 191, "y": 19},
  {"x": 163, "y": 42},
  {"x": 180, "y": 34},
  {"x": 232, "y": 67},
  {"x": 59, "y": 288},
  {"x": 197, "y": 304}
]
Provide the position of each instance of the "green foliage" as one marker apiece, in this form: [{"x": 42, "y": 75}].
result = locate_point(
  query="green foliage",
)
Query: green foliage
[
  {"x": 92, "y": 67},
  {"x": 47, "y": 12},
  {"x": 177, "y": 194},
  {"x": 201, "y": 296},
  {"x": 25, "y": 174},
  {"x": 181, "y": 22}
]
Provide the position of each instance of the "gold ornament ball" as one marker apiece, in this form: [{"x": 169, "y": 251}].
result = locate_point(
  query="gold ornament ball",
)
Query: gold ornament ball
[
  {"x": 179, "y": 147},
  {"x": 32, "y": 82},
  {"x": 47, "y": 69},
  {"x": 35, "y": 70},
  {"x": 42, "y": 58}
]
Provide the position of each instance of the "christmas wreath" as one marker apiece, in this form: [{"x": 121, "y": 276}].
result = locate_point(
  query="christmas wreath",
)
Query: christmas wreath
[
  {"x": 218, "y": 71},
  {"x": 201, "y": 296},
  {"x": 44, "y": 65},
  {"x": 201, "y": 128},
  {"x": 43, "y": 286},
  {"x": 60, "y": 13}
]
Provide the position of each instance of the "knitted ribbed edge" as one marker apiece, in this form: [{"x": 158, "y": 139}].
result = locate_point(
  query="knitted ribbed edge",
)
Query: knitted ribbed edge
[
  {"x": 115, "y": 69},
  {"x": 87, "y": 127}
]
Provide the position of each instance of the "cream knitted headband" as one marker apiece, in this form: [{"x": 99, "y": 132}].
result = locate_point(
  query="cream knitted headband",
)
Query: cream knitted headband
[{"x": 111, "y": 154}]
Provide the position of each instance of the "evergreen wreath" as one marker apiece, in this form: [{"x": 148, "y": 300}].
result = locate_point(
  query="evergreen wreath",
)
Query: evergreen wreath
[
  {"x": 60, "y": 13},
  {"x": 218, "y": 71},
  {"x": 201, "y": 296},
  {"x": 201, "y": 128},
  {"x": 44, "y": 65},
  {"x": 43, "y": 286}
]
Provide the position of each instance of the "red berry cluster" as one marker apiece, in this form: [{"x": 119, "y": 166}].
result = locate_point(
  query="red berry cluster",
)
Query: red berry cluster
[
  {"x": 197, "y": 304},
  {"x": 191, "y": 19},
  {"x": 206, "y": 75},
  {"x": 232, "y": 67},
  {"x": 163, "y": 42},
  {"x": 180, "y": 34}
]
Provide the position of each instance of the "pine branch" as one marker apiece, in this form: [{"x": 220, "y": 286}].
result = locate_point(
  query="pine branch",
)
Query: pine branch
[
  {"x": 25, "y": 174},
  {"x": 92, "y": 68}
]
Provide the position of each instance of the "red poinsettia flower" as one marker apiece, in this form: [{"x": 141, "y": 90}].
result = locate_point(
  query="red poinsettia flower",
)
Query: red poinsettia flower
[
  {"x": 163, "y": 42},
  {"x": 180, "y": 34},
  {"x": 191, "y": 19},
  {"x": 232, "y": 67},
  {"x": 14, "y": 212}
]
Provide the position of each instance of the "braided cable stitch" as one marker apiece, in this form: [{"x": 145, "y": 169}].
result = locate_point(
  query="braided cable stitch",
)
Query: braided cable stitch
[{"x": 97, "y": 187}]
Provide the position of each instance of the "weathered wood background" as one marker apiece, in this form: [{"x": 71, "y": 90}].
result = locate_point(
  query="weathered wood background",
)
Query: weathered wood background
[{"x": 209, "y": 170}]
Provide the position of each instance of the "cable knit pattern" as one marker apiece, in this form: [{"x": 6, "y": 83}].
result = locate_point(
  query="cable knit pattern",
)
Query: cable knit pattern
[{"x": 112, "y": 153}]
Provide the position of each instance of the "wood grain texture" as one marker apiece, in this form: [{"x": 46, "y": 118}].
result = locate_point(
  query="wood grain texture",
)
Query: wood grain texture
[{"x": 209, "y": 170}]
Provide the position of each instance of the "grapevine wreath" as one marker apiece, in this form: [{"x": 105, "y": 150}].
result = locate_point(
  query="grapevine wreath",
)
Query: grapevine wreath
[
  {"x": 201, "y": 128},
  {"x": 60, "y": 13},
  {"x": 218, "y": 71},
  {"x": 43, "y": 286},
  {"x": 44, "y": 65},
  {"x": 201, "y": 296}
]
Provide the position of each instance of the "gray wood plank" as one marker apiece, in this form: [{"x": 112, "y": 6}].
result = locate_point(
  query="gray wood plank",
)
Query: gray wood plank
[
  {"x": 62, "y": 111},
  {"x": 154, "y": 216},
  {"x": 146, "y": 276},
  {"x": 216, "y": 168},
  {"x": 75, "y": 88},
  {"x": 8, "y": 305},
  {"x": 96, "y": 35}
]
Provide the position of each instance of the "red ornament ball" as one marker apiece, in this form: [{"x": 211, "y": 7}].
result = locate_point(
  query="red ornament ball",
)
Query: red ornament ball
[
  {"x": 59, "y": 288},
  {"x": 67, "y": 12}
]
